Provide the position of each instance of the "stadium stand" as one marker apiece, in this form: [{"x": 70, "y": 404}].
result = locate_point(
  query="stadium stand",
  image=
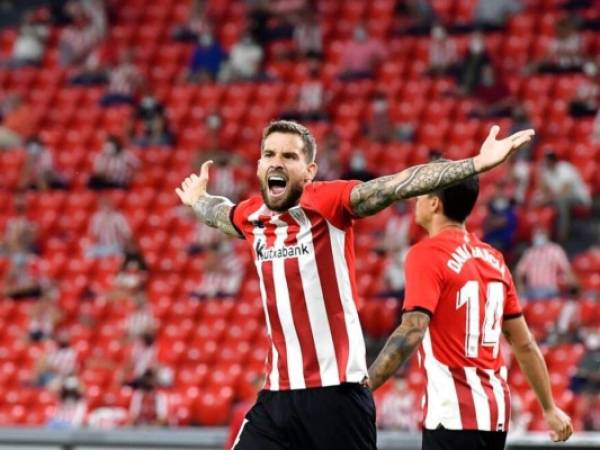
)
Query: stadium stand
[{"x": 208, "y": 351}]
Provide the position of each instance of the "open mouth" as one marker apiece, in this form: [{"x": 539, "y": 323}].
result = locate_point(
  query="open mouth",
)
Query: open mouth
[{"x": 277, "y": 185}]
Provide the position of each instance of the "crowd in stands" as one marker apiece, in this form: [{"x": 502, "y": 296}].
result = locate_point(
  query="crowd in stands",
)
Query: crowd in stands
[{"x": 527, "y": 210}]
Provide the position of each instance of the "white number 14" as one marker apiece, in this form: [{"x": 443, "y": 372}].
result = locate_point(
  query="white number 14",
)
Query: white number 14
[{"x": 492, "y": 322}]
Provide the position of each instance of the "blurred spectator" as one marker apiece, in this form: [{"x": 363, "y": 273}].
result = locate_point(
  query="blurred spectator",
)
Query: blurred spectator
[
  {"x": 585, "y": 102},
  {"x": 206, "y": 60},
  {"x": 493, "y": 98},
  {"x": 566, "y": 50},
  {"x": 398, "y": 409},
  {"x": 245, "y": 60},
  {"x": 308, "y": 36},
  {"x": 471, "y": 68},
  {"x": 205, "y": 238},
  {"x": 596, "y": 128},
  {"x": 561, "y": 185},
  {"x": 109, "y": 231},
  {"x": 223, "y": 179},
  {"x": 20, "y": 233},
  {"x": 155, "y": 133},
  {"x": 38, "y": 170},
  {"x": 521, "y": 121},
  {"x": 72, "y": 408},
  {"x": 23, "y": 279},
  {"x": 500, "y": 224},
  {"x": 492, "y": 15},
  {"x": 132, "y": 279},
  {"x": 586, "y": 380},
  {"x": 149, "y": 108},
  {"x": 420, "y": 15},
  {"x": 222, "y": 274},
  {"x": 113, "y": 166},
  {"x": 443, "y": 57},
  {"x": 591, "y": 412},
  {"x": 78, "y": 40},
  {"x": 542, "y": 268},
  {"x": 393, "y": 274},
  {"x": 312, "y": 100},
  {"x": 124, "y": 81},
  {"x": 142, "y": 356},
  {"x": 379, "y": 126},
  {"x": 361, "y": 55},
  {"x": 200, "y": 20},
  {"x": 519, "y": 176},
  {"x": 357, "y": 168},
  {"x": 30, "y": 43},
  {"x": 44, "y": 315},
  {"x": 58, "y": 363},
  {"x": 328, "y": 157},
  {"x": 141, "y": 320},
  {"x": 148, "y": 406},
  {"x": 18, "y": 122}
]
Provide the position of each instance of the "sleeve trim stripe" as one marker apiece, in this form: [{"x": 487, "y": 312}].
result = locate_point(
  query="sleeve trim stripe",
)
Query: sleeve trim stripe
[
  {"x": 512, "y": 316},
  {"x": 418, "y": 309}
]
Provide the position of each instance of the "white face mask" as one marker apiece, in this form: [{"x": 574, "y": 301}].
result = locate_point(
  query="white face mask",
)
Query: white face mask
[
  {"x": 539, "y": 239},
  {"x": 476, "y": 46},
  {"x": 592, "y": 341},
  {"x": 379, "y": 105}
]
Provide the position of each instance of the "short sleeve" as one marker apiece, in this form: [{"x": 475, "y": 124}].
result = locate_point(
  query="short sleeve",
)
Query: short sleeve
[
  {"x": 236, "y": 215},
  {"x": 332, "y": 200},
  {"x": 424, "y": 280},
  {"x": 512, "y": 306}
]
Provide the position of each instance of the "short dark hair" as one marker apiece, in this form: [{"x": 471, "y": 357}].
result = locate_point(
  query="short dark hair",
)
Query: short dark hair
[
  {"x": 287, "y": 126},
  {"x": 459, "y": 199}
]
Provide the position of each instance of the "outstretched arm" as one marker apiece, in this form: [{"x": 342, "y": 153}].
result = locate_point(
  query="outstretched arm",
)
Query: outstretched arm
[
  {"x": 371, "y": 197},
  {"x": 212, "y": 210},
  {"x": 398, "y": 348}
]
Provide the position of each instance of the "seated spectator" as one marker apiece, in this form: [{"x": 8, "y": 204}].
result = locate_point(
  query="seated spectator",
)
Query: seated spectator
[
  {"x": 81, "y": 37},
  {"x": 398, "y": 409},
  {"x": 222, "y": 273},
  {"x": 419, "y": 13},
  {"x": 132, "y": 279},
  {"x": 200, "y": 20},
  {"x": 206, "y": 61},
  {"x": 149, "y": 108},
  {"x": 443, "y": 58},
  {"x": 44, "y": 315},
  {"x": 519, "y": 176},
  {"x": 124, "y": 81},
  {"x": 328, "y": 158},
  {"x": 148, "y": 406},
  {"x": 585, "y": 103},
  {"x": 17, "y": 124},
  {"x": 23, "y": 279},
  {"x": 492, "y": 15},
  {"x": 471, "y": 68},
  {"x": 38, "y": 170},
  {"x": 357, "y": 168},
  {"x": 542, "y": 268},
  {"x": 141, "y": 320},
  {"x": 521, "y": 121},
  {"x": 500, "y": 224},
  {"x": 109, "y": 231},
  {"x": 566, "y": 50},
  {"x": 561, "y": 185},
  {"x": 143, "y": 356},
  {"x": 492, "y": 95},
  {"x": 311, "y": 102},
  {"x": 71, "y": 410},
  {"x": 113, "y": 166},
  {"x": 20, "y": 233},
  {"x": 361, "y": 56},
  {"x": 379, "y": 126},
  {"x": 308, "y": 36},
  {"x": 30, "y": 43},
  {"x": 586, "y": 380},
  {"x": 245, "y": 60},
  {"x": 155, "y": 133},
  {"x": 58, "y": 363}
]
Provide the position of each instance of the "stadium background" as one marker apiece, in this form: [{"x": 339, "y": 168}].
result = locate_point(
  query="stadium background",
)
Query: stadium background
[{"x": 209, "y": 341}]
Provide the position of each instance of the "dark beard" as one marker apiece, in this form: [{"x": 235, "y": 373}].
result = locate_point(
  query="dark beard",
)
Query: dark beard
[{"x": 288, "y": 202}]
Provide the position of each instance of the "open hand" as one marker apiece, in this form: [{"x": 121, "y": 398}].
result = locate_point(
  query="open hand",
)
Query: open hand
[{"x": 494, "y": 151}]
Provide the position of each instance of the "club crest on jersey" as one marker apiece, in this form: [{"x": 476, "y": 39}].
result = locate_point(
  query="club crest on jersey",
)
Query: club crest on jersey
[
  {"x": 268, "y": 254},
  {"x": 298, "y": 215}
]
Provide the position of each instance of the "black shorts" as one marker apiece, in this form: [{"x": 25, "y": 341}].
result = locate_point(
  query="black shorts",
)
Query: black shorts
[
  {"x": 442, "y": 439},
  {"x": 328, "y": 418}
]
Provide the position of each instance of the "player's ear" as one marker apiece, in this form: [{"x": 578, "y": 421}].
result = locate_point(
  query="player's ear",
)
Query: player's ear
[{"x": 311, "y": 171}]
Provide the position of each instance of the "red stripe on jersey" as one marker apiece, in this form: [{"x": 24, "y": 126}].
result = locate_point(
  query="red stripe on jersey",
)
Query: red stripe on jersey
[
  {"x": 299, "y": 310},
  {"x": 331, "y": 290},
  {"x": 489, "y": 392},
  {"x": 465, "y": 398},
  {"x": 507, "y": 404}
]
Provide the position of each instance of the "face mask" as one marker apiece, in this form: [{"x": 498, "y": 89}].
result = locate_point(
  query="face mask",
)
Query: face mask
[
  {"x": 438, "y": 33},
  {"x": 592, "y": 341},
  {"x": 476, "y": 46},
  {"x": 539, "y": 239},
  {"x": 206, "y": 40},
  {"x": 500, "y": 204},
  {"x": 213, "y": 122},
  {"x": 360, "y": 35},
  {"x": 34, "y": 149},
  {"x": 358, "y": 162},
  {"x": 379, "y": 106}
]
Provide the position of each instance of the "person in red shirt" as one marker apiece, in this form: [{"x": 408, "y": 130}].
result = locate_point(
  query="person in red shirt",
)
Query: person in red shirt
[
  {"x": 301, "y": 236},
  {"x": 460, "y": 297}
]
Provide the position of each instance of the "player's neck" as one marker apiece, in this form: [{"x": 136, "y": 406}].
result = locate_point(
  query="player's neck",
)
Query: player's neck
[{"x": 437, "y": 226}]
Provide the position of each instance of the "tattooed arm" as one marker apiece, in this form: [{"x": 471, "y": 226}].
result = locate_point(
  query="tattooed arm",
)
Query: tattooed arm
[
  {"x": 373, "y": 196},
  {"x": 212, "y": 210},
  {"x": 398, "y": 348}
]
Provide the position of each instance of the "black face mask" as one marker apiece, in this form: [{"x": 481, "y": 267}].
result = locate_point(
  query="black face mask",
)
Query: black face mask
[
  {"x": 70, "y": 394},
  {"x": 148, "y": 340}
]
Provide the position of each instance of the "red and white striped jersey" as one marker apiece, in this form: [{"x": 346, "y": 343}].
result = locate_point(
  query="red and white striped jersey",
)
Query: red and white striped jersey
[
  {"x": 109, "y": 227},
  {"x": 543, "y": 265},
  {"x": 468, "y": 290},
  {"x": 305, "y": 263}
]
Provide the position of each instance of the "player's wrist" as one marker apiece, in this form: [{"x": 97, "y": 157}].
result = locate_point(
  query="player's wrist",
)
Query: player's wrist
[{"x": 477, "y": 164}]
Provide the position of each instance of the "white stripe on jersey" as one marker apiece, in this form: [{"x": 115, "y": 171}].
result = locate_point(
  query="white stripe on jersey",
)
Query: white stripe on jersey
[
  {"x": 442, "y": 400},
  {"x": 499, "y": 395},
  {"x": 258, "y": 234},
  {"x": 356, "y": 368},
  {"x": 315, "y": 305},
  {"x": 480, "y": 399},
  {"x": 284, "y": 310}
]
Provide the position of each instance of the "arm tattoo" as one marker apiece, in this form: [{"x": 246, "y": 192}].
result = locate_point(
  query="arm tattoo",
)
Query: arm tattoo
[
  {"x": 398, "y": 348},
  {"x": 373, "y": 196},
  {"x": 214, "y": 212}
]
